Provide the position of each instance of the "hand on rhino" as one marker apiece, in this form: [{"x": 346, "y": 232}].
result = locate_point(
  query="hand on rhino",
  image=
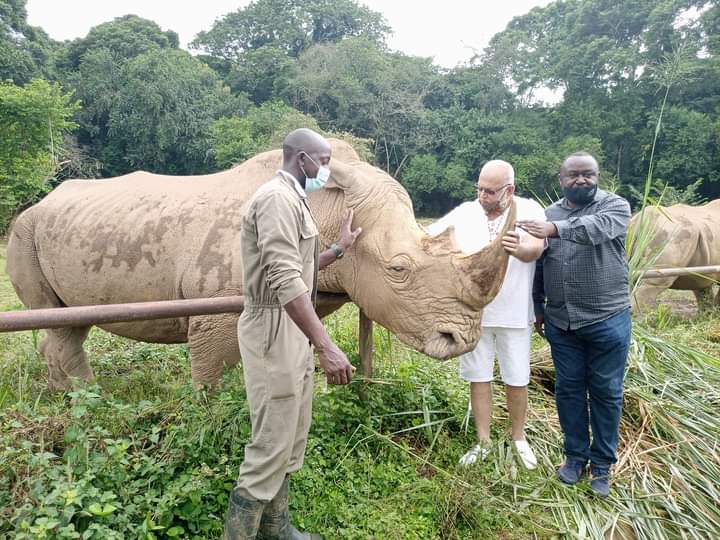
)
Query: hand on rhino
[{"x": 347, "y": 235}]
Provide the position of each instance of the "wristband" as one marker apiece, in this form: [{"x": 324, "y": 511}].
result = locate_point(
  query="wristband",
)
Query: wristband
[{"x": 337, "y": 250}]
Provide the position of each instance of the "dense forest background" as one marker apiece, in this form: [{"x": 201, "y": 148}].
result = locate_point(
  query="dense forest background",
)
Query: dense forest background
[{"x": 126, "y": 97}]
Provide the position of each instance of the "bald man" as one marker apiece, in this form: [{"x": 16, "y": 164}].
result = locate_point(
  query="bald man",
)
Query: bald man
[
  {"x": 507, "y": 321},
  {"x": 277, "y": 332}
]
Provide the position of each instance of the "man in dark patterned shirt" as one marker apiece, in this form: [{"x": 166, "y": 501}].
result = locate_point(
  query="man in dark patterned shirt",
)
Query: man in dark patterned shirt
[{"x": 582, "y": 307}]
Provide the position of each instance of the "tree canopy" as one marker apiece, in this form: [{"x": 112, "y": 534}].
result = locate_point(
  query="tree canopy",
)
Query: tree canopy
[
  {"x": 126, "y": 37},
  {"x": 34, "y": 118},
  {"x": 573, "y": 75},
  {"x": 289, "y": 25},
  {"x": 25, "y": 51}
]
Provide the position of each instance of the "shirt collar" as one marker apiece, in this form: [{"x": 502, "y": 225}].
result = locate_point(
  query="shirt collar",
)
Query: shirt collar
[{"x": 295, "y": 182}]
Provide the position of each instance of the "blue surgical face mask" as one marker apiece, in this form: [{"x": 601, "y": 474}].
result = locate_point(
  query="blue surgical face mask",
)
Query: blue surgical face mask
[{"x": 319, "y": 180}]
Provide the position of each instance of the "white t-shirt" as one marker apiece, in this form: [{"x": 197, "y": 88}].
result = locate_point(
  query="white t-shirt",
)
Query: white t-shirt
[{"x": 512, "y": 307}]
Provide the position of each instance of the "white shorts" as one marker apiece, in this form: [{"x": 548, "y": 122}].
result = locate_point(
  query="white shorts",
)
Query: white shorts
[{"x": 513, "y": 351}]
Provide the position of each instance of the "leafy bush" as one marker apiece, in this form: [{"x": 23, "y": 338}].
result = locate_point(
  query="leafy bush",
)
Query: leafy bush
[
  {"x": 34, "y": 118},
  {"x": 235, "y": 139}
]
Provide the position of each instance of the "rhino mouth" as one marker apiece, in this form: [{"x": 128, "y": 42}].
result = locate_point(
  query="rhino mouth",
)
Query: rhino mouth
[{"x": 444, "y": 343}]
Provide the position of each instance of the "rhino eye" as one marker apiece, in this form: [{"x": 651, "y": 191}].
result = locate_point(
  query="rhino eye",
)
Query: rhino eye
[{"x": 398, "y": 271}]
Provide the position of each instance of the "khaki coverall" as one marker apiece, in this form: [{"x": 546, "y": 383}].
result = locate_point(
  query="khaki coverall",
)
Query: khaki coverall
[{"x": 279, "y": 246}]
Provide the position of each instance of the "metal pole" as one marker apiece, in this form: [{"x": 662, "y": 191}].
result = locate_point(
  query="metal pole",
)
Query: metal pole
[
  {"x": 111, "y": 313},
  {"x": 366, "y": 345},
  {"x": 366, "y": 350},
  {"x": 672, "y": 272}
]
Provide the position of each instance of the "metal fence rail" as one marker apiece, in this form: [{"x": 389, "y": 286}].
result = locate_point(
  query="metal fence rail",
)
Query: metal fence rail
[
  {"x": 674, "y": 272},
  {"x": 13, "y": 321},
  {"x": 32, "y": 319},
  {"x": 35, "y": 319}
]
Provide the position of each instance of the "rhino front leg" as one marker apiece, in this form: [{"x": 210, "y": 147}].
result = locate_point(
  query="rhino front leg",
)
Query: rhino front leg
[
  {"x": 704, "y": 299},
  {"x": 66, "y": 358},
  {"x": 644, "y": 299},
  {"x": 212, "y": 340}
]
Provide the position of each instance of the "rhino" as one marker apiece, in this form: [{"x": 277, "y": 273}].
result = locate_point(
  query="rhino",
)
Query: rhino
[
  {"x": 144, "y": 237},
  {"x": 682, "y": 236}
]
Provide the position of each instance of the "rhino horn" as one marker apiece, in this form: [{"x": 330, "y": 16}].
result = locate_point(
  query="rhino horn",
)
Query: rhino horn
[{"x": 483, "y": 272}]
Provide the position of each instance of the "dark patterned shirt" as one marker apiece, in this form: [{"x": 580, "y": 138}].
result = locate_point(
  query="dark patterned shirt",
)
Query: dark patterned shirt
[{"x": 582, "y": 277}]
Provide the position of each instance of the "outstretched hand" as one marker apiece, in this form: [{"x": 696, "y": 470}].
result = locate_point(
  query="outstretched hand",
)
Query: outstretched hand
[
  {"x": 347, "y": 235},
  {"x": 538, "y": 228}
]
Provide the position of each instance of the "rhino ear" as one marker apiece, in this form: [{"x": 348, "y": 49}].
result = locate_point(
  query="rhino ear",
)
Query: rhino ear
[
  {"x": 343, "y": 151},
  {"x": 342, "y": 176},
  {"x": 441, "y": 244}
]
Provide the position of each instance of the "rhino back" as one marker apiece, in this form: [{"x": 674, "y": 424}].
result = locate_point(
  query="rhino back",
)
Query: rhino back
[
  {"x": 688, "y": 236},
  {"x": 706, "y": 221},
  {"x": 134, "y": 238},
  {"x": 701, "y": 223}
]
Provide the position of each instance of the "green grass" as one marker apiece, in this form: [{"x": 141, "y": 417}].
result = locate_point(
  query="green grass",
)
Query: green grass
[{"x": 140, "y": 455}]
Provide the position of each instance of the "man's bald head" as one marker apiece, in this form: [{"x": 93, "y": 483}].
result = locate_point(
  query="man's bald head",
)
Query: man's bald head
[
  {"x": 498, "y": 172},
  {"x": 304, "y": 151},
  {"x": 304, "y": 140},
  {"x": 495, "y": 187}
]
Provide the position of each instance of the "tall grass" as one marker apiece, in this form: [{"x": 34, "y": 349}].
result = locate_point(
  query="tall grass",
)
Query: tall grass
[{"x": 643, "y": 251}]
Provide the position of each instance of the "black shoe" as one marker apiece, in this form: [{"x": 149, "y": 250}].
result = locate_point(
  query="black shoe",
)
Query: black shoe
[
  {"x": 243, "y": 517},
  {"x": 571, "y": 471},
  {"x": 275, "y": 523},
  {"x": 600, "y": 481}
]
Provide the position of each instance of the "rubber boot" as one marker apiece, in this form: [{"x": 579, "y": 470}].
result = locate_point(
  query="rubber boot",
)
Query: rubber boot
[
  {"x": 243, "y": 517},
  {"x": 275, "y": 523}
]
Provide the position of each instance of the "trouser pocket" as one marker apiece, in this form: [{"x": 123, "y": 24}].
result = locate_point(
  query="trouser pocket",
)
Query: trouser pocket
[{"x": 286, "y": 357}]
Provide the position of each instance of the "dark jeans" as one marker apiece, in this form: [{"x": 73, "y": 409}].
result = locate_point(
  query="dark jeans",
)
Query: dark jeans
[{"x": 590, "y": 368}]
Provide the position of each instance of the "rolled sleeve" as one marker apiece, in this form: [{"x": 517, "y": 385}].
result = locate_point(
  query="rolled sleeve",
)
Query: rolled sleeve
[
  {"x": 277, "y": 220},
  {"x": 291, "y": 290}
]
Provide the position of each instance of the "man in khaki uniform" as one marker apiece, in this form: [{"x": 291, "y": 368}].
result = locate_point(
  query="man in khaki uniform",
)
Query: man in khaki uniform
[{"x": 277, "y": 332}]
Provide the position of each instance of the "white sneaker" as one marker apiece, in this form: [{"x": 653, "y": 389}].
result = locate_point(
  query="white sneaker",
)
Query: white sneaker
[
  {"x": 527, "y": 456},
  {"x": 476, "y": 452}
]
